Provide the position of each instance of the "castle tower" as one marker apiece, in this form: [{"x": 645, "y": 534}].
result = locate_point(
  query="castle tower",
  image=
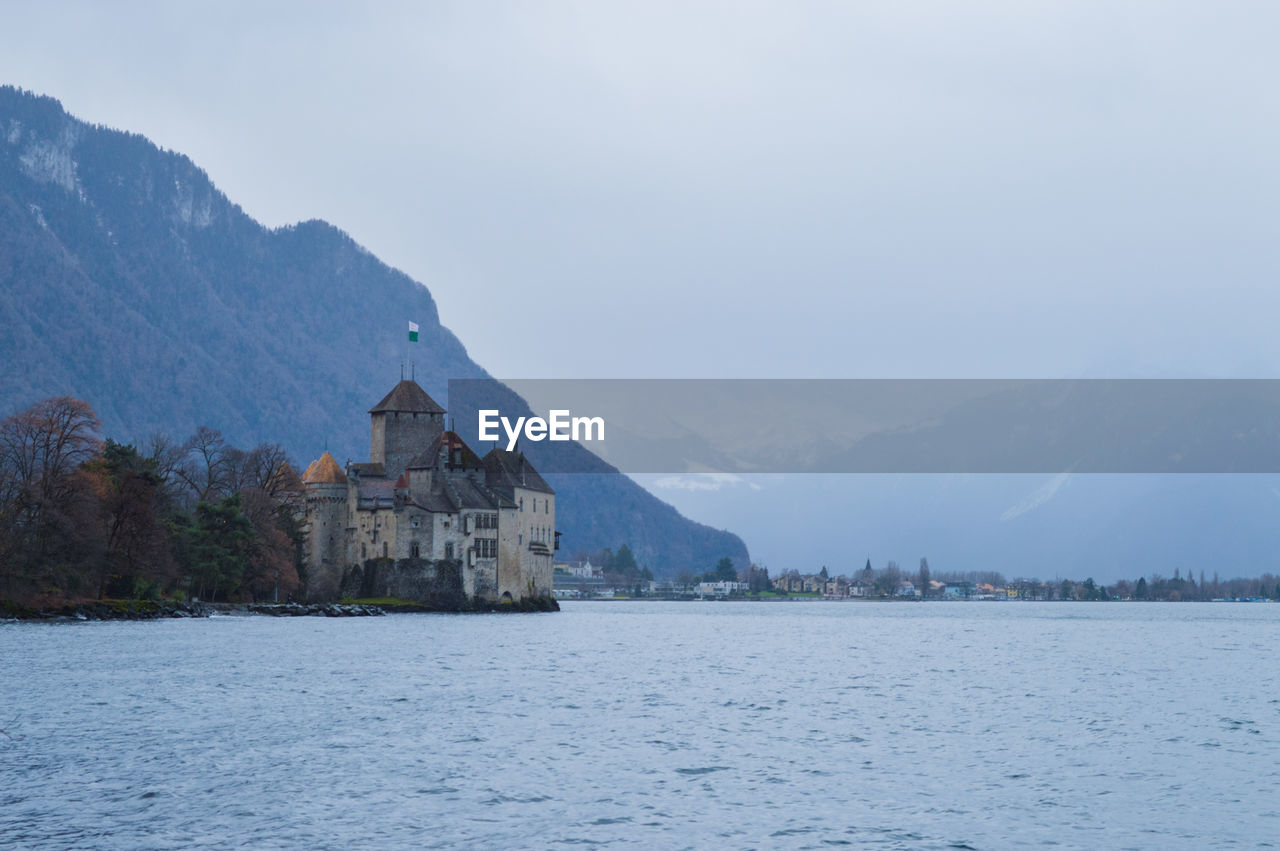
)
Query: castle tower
[
  {"x": 402, "y": 425},
  {"x": 327, "y": 519}
]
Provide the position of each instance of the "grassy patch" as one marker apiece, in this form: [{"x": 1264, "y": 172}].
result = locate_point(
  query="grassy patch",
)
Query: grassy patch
[{"x": 378, "y": 601}]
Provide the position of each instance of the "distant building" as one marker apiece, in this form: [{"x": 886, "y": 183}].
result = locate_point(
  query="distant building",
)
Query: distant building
[
  {"x": 836, "y": 587},
  {"x": 790, "y": 582},
  {"x": 582, "y": 568},
  {"x": 721, "y": 589}
]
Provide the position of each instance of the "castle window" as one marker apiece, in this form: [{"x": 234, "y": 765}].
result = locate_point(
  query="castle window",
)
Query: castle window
[
  {"x": 363, "y": 554},
  {"x": 522, "y": 503},
  {"x": 415, "y": 523},
  {"x": 414, "y": 552},
  {"x": 448, "y": 550},
  {"x": 384, "y": 549}
]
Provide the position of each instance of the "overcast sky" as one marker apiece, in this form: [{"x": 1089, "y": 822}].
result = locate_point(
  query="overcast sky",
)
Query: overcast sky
[
  {"x": 791, "y": 189},
  {"x": 941, "y": 189}
]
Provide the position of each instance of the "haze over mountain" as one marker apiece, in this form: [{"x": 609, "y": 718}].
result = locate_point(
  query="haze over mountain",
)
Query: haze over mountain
[{"x": 131, "y": 282}]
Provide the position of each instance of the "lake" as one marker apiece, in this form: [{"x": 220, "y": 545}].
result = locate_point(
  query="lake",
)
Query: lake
[{"x": 656, "y": 725}]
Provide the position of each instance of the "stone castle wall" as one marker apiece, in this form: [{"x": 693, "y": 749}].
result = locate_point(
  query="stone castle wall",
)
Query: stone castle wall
[{"x": 396, "y": 438}]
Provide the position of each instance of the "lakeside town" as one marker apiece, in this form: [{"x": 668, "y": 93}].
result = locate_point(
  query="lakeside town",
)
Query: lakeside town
[{"x": 615, "y": 576}]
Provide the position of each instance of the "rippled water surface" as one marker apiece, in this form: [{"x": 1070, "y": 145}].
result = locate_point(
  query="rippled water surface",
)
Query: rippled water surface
[{"x": 793, "y": 724}]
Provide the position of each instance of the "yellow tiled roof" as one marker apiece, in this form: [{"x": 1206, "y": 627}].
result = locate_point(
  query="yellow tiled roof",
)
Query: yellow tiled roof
[{"x": 324, "y": 471}]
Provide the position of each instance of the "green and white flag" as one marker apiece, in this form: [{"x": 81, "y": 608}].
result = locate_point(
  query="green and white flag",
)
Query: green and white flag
[{"x": 413, "y": 332}]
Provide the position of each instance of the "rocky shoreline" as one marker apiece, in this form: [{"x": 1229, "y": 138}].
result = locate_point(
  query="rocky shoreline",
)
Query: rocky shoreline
[
  {"x": 297, "y": 610},
  {"x": 106, "y": 610},
  {"x": 141, "y": 610}
]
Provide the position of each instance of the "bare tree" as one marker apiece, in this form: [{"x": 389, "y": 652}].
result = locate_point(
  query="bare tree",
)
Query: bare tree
[
  {"x": 888, "y": 579},
  {"x": 265, "y": 467},
  {"x": 205, "y": 465},
  {"x": 41, "y": 498}
]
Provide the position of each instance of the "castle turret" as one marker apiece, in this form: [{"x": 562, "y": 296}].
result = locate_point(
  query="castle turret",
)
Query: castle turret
[
  {"x": 402, "y": 425},
  {"x": 327, "y": 516}
]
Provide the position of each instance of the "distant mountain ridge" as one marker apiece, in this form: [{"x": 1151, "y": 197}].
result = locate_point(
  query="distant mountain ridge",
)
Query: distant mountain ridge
[{"x": 131, "y": 282}]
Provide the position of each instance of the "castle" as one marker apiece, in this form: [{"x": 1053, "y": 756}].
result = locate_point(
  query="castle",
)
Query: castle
[{"x": 426, "y": 518}]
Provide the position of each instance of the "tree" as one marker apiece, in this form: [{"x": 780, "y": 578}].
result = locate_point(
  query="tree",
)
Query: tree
[
  {"x": 758, "y": 578},
  {"x": 924, "y": 577},
  {"x": 888, "y": 580},
  {"x": 272, "y": 559},
  {"x": 46, "y": 525},
  {"x": 1091, "y": 589},
  {"x": 207, "y": 465},
  {"x": 1140, "y": 591},
  {"x": 625, "y": 563},
  {"x": 220, "y": 537},
  {"x": 138, "y": 558},
  {"x": 724, "y": 571}
]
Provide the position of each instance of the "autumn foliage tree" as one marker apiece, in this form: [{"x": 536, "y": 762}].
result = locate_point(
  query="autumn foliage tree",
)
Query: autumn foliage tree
[{"x": 81, "y": 517}]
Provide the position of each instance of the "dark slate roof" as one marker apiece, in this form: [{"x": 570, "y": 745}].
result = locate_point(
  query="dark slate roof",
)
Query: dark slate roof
[
  {"x": 369, "y": 470},
  {"x": 459, "y": 455},
  {"x": 453, "y": 493},
  {"x": 469, "y": 494},
  {"x": 376, "y": 494},
  {"x": 407, "y": 397},
  {"x": 507, "y": 470},
  {"x": 383, "y": 489}
]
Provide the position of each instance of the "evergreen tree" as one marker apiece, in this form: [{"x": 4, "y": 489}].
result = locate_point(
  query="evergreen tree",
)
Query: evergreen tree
[
  {"x": 220, "y": 540},
  {"x": 625, "y": 563}
]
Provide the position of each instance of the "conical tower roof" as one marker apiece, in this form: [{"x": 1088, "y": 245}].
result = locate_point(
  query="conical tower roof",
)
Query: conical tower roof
[
  {"x": 324, "y": 471},
  {"x": 407, "y": 398}
]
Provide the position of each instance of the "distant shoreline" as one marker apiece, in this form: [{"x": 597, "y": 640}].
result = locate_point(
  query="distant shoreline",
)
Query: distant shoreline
[{"x": 894, "y": 600}]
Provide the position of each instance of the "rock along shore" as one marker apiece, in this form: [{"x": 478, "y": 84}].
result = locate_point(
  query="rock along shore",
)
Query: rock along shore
[{"x": 142, "y": 610}]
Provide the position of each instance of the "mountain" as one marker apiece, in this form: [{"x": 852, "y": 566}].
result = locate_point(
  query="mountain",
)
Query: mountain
[{"x": 131, "y": 282}]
